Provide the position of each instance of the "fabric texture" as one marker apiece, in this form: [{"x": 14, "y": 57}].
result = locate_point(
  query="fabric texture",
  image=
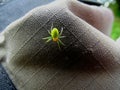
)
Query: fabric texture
[
  {"x": 88, "y": 61},
  {"x": 5, "y": 82}
]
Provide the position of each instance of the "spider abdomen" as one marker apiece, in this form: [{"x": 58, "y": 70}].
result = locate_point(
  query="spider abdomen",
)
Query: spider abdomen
[{"x": 54, "y": 33}]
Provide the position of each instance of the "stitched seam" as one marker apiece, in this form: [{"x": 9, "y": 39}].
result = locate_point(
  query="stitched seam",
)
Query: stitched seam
[
  {"x": 93, "y": 47},
  {"x": 33, "y": 35},
  {"x": 40, "y": 69}
]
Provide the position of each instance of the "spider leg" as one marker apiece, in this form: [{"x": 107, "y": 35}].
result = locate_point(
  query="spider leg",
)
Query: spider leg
[
  {"x": 62, "y": 36},
  {"x": 61, "y": 31},
  {"x": 49, "y": 32},
  {"x": 61, "y": 42},
  {"x": 58, "y": 44},
  {"x": 51, "y": 27},
  {"x": 46, "y": 38}
]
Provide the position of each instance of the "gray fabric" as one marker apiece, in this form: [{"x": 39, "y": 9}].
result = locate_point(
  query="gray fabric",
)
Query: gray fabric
[
  {"x": 9, "y": 12},
  {"x": 88, "y": 61}
]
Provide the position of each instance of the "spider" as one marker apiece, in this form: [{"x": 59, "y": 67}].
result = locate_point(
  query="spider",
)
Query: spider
[{"x": 55, "y": 36}]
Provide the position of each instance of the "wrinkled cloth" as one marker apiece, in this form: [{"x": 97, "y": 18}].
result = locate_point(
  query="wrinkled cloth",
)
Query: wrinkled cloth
[{"x": 89, "y": 60}]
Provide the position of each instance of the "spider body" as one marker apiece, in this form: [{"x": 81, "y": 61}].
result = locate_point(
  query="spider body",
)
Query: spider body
[{"x": 55, "y": 36}]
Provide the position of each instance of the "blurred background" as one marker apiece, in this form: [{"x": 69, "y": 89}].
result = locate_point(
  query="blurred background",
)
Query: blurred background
[
  {"x": 115, "y": 6},
  {"x": 2, "y": 2},
  {"x": 4, "y": 10}
]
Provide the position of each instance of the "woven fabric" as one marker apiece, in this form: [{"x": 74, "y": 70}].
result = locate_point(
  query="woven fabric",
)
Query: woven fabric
[
  {"x": 5, "y": 82},
  {"x": 89, "y": 60}
]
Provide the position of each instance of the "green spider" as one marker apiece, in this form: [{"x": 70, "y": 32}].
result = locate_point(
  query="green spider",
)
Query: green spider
[{"x": 55, "y": 36}]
